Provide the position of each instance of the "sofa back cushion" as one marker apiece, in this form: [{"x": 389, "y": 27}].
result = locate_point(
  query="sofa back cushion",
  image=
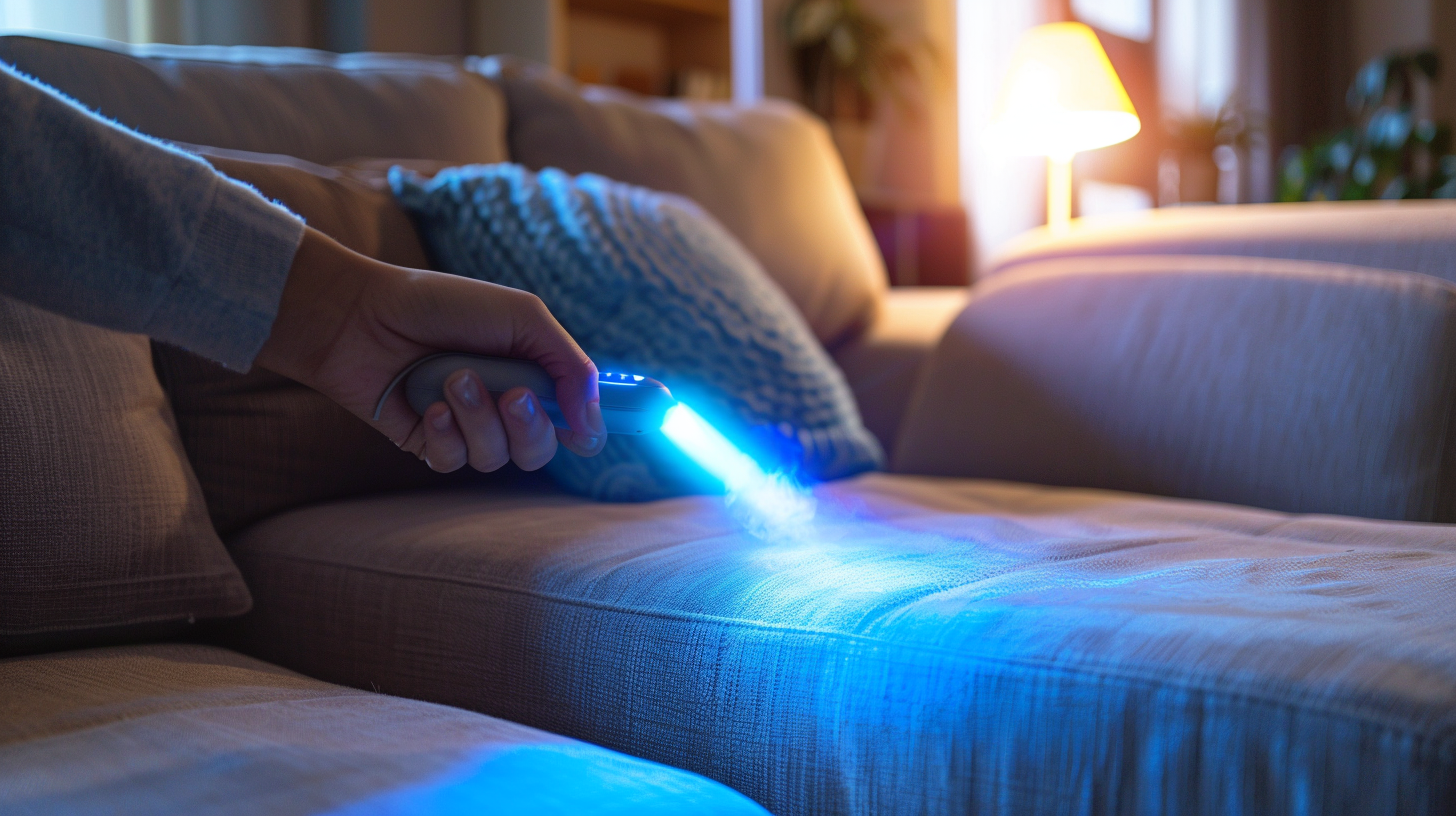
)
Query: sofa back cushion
[
  {"x": 769, "y": 173},
  {"x": 1412, "y": 236},
  {"x": 314, "y": 105},
  {"x": 349, "y": 202},
  {"x": 103, "y": 530},
  {"x": 1297, "y": 386},
  {"x": 260, "y": 442}
]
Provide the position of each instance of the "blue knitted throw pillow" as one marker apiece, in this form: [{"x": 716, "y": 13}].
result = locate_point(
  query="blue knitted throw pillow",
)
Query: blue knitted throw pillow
[{"x": 650, "y": 284}]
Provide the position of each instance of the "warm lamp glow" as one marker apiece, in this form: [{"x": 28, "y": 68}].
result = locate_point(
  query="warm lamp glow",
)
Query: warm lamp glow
[{"x": 1061, "y": 97}]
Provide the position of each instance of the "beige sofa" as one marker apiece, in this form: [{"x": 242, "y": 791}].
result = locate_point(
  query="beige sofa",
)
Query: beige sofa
[{"x": 1166, "y": 530}]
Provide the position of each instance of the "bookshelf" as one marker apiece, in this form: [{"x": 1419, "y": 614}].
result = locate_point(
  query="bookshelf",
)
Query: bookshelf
[{"x": 656, "y": 47}]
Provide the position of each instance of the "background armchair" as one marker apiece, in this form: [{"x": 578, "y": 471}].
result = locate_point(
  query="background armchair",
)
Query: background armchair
[{"x": 1297, "y": 386}]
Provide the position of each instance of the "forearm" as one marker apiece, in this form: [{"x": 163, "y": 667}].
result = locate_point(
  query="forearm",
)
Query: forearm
[
  {"x": 105, "y": 226},
  {"x": 325, "y": 287}
]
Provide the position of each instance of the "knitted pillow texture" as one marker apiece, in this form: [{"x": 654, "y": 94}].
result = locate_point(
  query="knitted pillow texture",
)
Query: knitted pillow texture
[{"x": 648, "y": 283}]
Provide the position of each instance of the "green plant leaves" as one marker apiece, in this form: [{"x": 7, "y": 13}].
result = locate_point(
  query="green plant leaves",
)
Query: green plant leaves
[
  {"x": 846, "y": 60},
  {"x": 1391, "y": 151}
]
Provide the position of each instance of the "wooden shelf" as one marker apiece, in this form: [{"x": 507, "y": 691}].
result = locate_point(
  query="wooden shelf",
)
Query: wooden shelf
[
  {"x": 679, "y": 47},
  {"x": 656, "y": 11}
]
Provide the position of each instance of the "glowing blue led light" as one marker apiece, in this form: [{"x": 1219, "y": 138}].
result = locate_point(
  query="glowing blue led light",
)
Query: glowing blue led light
[
  {"x": 770, "y": 503},
  {"x": 708, "y": 447}
]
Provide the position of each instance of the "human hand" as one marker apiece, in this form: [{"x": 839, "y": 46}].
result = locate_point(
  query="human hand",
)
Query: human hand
[{"x": 348, "y": 324}]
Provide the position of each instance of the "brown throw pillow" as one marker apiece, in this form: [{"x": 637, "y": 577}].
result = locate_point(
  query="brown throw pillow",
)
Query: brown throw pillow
[
  {"x": 261, "y": 443},
  {"x": 103, "y": 530}
]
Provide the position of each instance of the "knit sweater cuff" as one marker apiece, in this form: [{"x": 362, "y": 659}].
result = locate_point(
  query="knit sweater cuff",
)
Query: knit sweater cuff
[{"x": 225, "y": 297}]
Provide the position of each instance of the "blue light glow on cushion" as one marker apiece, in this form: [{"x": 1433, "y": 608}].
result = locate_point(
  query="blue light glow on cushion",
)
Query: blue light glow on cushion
[{"x": 647, "y": 282}]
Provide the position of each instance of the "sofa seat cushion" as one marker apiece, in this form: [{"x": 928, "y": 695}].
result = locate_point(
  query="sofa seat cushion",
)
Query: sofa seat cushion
[
  {"x": 927, "y": 646},
  {"x": 169, "y": 728}
]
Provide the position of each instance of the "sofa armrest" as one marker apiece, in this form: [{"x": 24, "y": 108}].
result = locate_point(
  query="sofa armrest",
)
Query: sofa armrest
[
  {"x": 883, "y": 363},
  {"x": 1295, "y": 386},
  {"x": 1411, "y": 236}
]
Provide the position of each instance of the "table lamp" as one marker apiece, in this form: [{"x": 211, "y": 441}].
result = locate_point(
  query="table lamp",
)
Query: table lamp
[{"x": 1060, "y": 97}]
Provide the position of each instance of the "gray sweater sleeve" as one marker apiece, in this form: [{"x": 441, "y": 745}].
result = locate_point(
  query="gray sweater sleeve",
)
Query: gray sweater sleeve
[{"x": 113, "y": 228}]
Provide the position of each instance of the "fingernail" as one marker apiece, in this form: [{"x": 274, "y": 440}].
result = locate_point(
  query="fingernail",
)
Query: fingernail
[
  {"x": 442, "y": 422},
  {"x": 594, "y": 422},
  {"x": 467, "y": 390},
  {"x": 591, "y": 442},
  {"x": 522, "y": 408}
]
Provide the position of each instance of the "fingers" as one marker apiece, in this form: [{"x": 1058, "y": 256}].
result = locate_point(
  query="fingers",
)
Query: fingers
[
  {"x": 539, "y": 337},
  {"x": 471, "y": 429},
  {"x": 382, "y": 318},
  {"x": 582, "y": 444},
  {"x": 478, "y": 423},
  {"x": 444, "y": 448},
  {"x": 531, "y": 434}
]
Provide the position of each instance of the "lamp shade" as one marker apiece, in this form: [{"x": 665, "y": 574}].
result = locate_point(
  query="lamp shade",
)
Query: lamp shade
[{"x": 1061, "y": 95}]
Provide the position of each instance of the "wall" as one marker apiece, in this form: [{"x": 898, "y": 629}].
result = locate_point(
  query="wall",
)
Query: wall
[
  {"x": 226, "y": 22},
  {"x": 530, "y": 29},
  {"x": 416, "y": 26},
  {"x": 778, "y": 75},
  {"x": 1382, "y": 25},
  {"x": 912, "y": 154},
  {"x": 88, "y": 18},
  {"x": 1443, "y": 32},
  {"x": 1316, "y": 46},
  {"x": 909, "y": 156},
  {"x": 1196, "y": 51},
  {"x": 1003, "y": 193}
]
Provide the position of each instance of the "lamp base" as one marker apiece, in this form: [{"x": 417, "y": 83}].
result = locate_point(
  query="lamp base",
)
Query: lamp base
[{"x": 1059, "y": 193}]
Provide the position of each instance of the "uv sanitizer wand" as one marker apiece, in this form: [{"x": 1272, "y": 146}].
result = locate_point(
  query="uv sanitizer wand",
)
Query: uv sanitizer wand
[{"x": 631, "y": 403}]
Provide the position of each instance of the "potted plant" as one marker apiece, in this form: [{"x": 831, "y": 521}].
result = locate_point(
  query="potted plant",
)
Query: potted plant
[
  {"x": 1392, "y": 150},
  {"x": 847, "y": 62}
]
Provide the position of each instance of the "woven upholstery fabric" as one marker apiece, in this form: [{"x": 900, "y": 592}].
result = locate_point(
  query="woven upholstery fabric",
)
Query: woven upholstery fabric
[
  {"x": 935, "y": 646},
  {"x": 348, "y": 202},
  {"x": 1297, "y": 386},
  {"x": 102, "y": 525},
  {"x": 648, "y": 283},
  {"x": 259, "y": 442},
  {"x": 1412, "y": 236},
  {"x": 315, "y": 105},
  {"x": 883, "y": 365},
  {"x": 768, "y": 172},
  {"x": 200, "y": 730}
]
